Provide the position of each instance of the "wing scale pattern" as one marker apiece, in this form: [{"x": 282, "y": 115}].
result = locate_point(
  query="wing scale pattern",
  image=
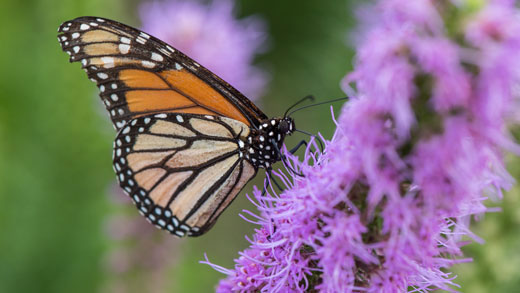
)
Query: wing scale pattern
[
  {"x": 138, "y": 74},
  {"x": 182, "y": 170}
]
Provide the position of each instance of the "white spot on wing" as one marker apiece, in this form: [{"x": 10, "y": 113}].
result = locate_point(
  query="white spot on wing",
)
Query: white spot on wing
[
  {"x": 161, "y": 115},
  {"x": 179, "y": 118},
  {"x": 102, "y": 75},
  {"x": 141, "y": 40},
  {"x": 148, "y": 64},
  {"x": 157, "y": 57},
  {"x": 76, "y": 49},
  {"x": 84, "y": 27},
  {"x": 125, "y": 40},
  {"x": 124, "y": 48},
  {"x": 108, "y": 62},
  {"x": 178, "y": 66},
  {"x": 75, "y": 35}
]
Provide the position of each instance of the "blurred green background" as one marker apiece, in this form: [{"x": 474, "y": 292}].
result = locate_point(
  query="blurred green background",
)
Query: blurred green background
[{"x": 56, "y": 178}]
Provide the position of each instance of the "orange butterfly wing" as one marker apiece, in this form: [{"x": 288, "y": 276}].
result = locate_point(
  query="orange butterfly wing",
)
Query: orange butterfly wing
[{"x": 138, "y": 74}]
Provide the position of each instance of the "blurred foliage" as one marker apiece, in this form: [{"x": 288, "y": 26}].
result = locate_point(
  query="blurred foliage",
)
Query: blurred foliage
[{"x": 55, "y": 149}]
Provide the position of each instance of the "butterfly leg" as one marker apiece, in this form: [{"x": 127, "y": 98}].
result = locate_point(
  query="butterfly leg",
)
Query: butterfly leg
[
  {"x": 320, "y": 142},
  {"x": 270, "y": 179},
  {"x": 284, "y": 160},
  {"x": 297, "y": 147},
  {"x": 274, "y": 181}
]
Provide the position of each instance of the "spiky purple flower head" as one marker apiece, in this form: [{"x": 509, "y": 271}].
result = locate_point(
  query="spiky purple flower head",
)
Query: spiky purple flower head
[
  {"x": 213, "y": 36},
  {"x": 416, "y": 152}
]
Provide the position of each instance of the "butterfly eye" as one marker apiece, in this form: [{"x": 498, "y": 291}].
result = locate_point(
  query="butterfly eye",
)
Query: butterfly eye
[
  {"x": 286, "y": 126},
  {"x": 283, "y": 126}
]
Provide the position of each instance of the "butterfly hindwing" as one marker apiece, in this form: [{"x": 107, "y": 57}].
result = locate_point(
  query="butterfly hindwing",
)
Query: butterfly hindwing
[
  {"x": 138, "y": 74},
  {"x": 182, "y": 170}
]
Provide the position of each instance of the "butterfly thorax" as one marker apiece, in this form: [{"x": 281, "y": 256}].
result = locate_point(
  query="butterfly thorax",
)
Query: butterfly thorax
[{"x": 262, "y": 146}]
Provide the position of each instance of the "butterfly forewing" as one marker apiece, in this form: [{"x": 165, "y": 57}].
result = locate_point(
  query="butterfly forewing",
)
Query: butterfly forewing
[
  {"x": 138, "y": 74},
  {"x": 182, "y": 170}
]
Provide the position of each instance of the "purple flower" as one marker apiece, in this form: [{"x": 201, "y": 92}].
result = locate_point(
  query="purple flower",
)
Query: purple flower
[
  {"x": 211, "y": 35},
  {"x": 416, "y": 153}
]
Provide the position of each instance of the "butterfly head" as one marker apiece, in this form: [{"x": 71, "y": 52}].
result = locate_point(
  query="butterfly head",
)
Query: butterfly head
[{"x": 286, "y": 126}]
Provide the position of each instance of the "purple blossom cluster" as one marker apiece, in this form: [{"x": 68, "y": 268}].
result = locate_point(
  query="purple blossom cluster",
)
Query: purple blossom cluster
[
  {"x": 416, "y": 153},
  {"x": 213, "y": 36}
]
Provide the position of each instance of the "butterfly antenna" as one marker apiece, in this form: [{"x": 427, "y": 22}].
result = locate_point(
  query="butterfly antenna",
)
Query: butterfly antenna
[
  {"x": 317, "y": 104},
  {"x": 309, "y": 97}
]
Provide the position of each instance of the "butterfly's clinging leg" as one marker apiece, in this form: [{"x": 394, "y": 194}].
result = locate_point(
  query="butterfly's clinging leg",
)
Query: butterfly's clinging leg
[
  {"x": 320, "y": 142},
  {"x": 271, "y": 178},
  {"x": 295, "y": 149},
  {"x": 284, "y": 160}
]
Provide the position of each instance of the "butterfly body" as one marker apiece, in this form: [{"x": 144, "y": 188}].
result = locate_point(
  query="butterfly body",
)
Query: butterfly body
[
  {"x": 262, "y": 146},
  {"x": 187, "y": 141}
]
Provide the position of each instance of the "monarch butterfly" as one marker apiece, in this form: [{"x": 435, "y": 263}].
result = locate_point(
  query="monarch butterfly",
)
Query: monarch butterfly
[{"x": 187, "y": 141}]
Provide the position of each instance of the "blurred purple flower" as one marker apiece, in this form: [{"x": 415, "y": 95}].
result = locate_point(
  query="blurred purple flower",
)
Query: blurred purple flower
[
  {"x": 416, "y": 153},
  {"x": 211, "y": 35}
]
